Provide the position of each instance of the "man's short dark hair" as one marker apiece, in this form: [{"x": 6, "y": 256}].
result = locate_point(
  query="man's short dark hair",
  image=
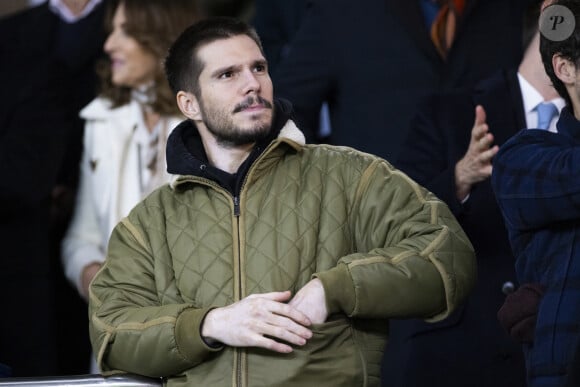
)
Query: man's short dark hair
[
  {"x": 568, "y": 48},
  {"x": 183, "y": 66},
  {"x": 530, "y": 22}
]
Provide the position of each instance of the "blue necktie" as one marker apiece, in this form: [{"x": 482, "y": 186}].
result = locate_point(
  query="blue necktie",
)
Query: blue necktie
[{"x": 546, "y": 111}]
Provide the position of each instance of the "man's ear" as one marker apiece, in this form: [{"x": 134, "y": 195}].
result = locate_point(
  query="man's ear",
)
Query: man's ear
[
  {"x": 189, "y": 105},
  {"x": 564, "y": 69}
]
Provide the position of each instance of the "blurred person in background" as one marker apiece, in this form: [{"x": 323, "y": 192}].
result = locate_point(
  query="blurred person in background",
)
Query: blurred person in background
[
  {"x": 372, "y": 61},
  {"x": 240, "y": 9},
  {"x": 535, "y": 181},
  {"x": 449, "y": 149},
  {"x": 47, "y": 74},
  {"x": 126, "y": 128}
]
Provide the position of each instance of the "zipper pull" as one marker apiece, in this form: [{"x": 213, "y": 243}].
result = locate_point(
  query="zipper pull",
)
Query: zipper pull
[{"x": 236, "y": 206}]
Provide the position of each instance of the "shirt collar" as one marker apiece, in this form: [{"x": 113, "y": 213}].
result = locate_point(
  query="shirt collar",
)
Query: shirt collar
[
  {"x": 64, "y": 13},
  {"x": 532, "y": 97}
]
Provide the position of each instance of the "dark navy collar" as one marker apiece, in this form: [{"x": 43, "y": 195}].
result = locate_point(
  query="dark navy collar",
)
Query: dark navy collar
[{"x": 568, "y": 125}]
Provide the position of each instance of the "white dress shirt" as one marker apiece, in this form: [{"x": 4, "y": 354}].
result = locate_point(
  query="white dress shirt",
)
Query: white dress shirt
[
  {"x": 531, "y": 98},
  {"x": 59, "y": 8}
]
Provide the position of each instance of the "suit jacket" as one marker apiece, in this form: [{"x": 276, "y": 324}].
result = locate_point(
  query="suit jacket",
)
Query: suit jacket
[
  {"x": 45, "y": 81},
  {"x": 372, "y": 61},
  {"x": 470, "y": 346}
]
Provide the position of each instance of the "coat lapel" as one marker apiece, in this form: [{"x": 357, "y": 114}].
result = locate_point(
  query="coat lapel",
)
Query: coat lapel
[
  {"x": 516, "y": 100},
  {"x": 470, "y": 5},
  {"x": 501, "y": 96}
]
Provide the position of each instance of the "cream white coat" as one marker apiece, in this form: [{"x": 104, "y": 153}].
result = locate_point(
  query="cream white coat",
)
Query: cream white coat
[{"x": 110, "y": 181}]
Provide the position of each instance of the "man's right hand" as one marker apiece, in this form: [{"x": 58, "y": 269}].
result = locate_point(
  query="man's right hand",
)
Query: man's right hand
[
  {"x": 475, "y": 166},
  {"x": 259, "y": 320}
]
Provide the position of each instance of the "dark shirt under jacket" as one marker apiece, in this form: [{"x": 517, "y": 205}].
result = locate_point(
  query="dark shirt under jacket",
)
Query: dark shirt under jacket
[{"x": 470, "y": 348}]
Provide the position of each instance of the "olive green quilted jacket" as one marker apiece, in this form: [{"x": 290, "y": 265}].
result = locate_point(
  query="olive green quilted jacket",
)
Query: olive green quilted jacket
[{"x": 382, "y": 246}]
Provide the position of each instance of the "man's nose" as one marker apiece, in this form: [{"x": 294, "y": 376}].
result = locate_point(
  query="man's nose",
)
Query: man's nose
[{"x": 250, "y": 82}]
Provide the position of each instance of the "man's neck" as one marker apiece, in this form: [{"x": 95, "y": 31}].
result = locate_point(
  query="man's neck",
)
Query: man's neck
[
  {"x": 532, "y": 69},
  {"x": 226, "y": 158}
]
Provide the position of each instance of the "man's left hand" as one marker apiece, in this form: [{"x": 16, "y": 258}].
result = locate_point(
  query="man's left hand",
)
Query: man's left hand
[{"x": 311, "y": 301}]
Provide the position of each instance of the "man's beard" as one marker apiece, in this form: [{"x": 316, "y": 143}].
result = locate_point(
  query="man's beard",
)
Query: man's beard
[{"x": 226, "y": 134}]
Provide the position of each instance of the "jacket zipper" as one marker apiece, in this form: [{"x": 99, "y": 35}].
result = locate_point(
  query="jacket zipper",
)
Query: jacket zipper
[
  {"x": 239, "y": 381},
  {"x": 237, "y": 209},
  {"x": 239, "y": 373}
]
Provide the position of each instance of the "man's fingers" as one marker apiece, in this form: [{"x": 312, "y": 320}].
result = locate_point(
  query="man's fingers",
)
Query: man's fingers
[
  {"x": 281, "y": 333},
  {"x": 489, "y": 154},
  {"x": 267, "y": 307},
  {"x": 267, "y": 335},
  {"x": 275, "y": 303},
  {"x": 487, "y": 170},
  {"x": 480, "y": 127},
  {"x": 256, "y": 339},
  {"x": 259, "y": 320},
  {"x": 484, "y": 142},
  {"x": 289, "y": 325},
  {"x": 292, "y": 313},
  {"x": 274, "y": 296},
  {"x": 480, "y": 116},
  {"x": 272, "y": 345}
]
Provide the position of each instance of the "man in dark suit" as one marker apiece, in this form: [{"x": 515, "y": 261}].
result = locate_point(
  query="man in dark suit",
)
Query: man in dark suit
[
  {"x": 276, "y": 22},
  {"x": 373, "y": 60},
  {"x": 47, "y": 74},
  {"x": 449, "y": 150}
]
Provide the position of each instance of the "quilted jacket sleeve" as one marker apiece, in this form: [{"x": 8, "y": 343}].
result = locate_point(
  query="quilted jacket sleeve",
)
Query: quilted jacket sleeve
[
  {"x": 134, "y": 318},
  {"x": 413, "y": 259}
]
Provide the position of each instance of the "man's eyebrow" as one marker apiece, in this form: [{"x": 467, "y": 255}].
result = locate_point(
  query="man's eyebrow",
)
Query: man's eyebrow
[
  {"x": 262, "y": 62},
  {"x": 221, "y": 70}
]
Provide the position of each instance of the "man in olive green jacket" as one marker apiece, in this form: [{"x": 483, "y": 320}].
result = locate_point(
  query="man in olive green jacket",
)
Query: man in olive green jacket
[{"x": 267, "y": 262}]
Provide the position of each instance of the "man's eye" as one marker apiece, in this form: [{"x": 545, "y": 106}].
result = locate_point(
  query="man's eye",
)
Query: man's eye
[
  {"x": 227, "y": 74},
  {"x": 260, "y": 68}
]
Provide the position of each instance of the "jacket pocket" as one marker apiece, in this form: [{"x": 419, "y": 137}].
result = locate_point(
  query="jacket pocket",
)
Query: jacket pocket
[{"x": 329, "y": 358}]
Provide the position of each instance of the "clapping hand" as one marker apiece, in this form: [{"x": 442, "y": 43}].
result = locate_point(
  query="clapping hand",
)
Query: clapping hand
[{"x": 475, "y": 166}]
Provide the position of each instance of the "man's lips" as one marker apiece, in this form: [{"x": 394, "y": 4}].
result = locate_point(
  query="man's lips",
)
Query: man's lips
[
  {"x": 254, "y": 108},
  {"x": 252, "y": 104}
]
